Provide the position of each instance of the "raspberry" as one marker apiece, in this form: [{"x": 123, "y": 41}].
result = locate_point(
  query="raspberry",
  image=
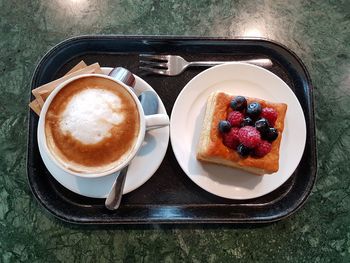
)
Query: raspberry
[
  {"x": 249, "y": 136},
  {"x": 230, "y": 139},
  {"x": 270, "y": 114},
  {"x": 263, "y": 148},
  {"x": 235, "y": 118}
]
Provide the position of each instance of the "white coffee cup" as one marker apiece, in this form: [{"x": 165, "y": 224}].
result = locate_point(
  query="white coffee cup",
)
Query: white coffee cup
[{"x": 146, "y": 123}]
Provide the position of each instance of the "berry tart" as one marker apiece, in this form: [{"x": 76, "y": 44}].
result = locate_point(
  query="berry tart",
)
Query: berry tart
[{"x": 242, "y": 132}]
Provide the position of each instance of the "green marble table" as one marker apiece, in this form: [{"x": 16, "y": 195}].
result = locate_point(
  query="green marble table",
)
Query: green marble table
[{"x": 318, "y": 31}]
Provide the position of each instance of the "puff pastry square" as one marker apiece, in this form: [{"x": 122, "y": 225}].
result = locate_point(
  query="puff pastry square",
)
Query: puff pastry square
[{"x": 211, "y": 148}]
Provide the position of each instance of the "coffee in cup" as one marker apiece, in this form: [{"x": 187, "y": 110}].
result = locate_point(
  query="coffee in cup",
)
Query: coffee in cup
[{"x": 92, "y": 125}]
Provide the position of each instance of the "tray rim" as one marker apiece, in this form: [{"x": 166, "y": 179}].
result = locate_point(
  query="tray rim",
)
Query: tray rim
[{"x": 274, "y": 218}]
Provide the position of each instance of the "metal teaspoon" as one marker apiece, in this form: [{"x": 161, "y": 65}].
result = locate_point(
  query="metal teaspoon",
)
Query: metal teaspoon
[{"x": 149, "y": 102}]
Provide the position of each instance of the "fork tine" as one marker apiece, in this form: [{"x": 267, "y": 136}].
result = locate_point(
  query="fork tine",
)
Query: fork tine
[
  {"x": 154, "y": 63},
  {"x": 154, "y": 57},
  {"x": 155, "y": 70}
]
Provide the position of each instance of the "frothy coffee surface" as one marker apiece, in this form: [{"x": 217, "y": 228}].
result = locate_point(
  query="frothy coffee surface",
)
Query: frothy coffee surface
[
  {"x": 92, "y": 125},
  {"x": 91, "y": 114}
]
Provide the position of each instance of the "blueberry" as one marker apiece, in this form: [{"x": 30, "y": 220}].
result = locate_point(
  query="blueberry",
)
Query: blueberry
[
  {"x": 224, "y": 126},
  {"x": 243, "y": 150},
  {"x": 271, "y": 135},
  {"x": 247, "y": 121},
  {"x": 239, "y": 103},
  {"x": 262, "y": 125},
  {"x": 254, "y": 110}
]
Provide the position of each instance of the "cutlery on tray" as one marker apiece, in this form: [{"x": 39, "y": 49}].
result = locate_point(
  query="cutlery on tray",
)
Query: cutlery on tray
[
  {"x": 172, "y": 65},
  {"x": 115, "y": 195},
  {"x": 149, "y": 102}
]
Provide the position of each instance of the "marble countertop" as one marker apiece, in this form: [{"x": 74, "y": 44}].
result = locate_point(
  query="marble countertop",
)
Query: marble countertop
[{"x": 317, "y": 31}]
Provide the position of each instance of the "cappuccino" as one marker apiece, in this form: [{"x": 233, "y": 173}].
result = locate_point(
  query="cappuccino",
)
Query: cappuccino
[{"x": 92, "y": 125}]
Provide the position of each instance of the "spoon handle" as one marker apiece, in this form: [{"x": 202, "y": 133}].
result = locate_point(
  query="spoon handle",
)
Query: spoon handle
[
  {"x": 114, "y": 197},
  {"x": 149, "y": 103}
]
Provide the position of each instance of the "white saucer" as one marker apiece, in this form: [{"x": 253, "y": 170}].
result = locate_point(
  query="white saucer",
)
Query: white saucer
[
  {"x": 142, "y": 167},
  {"x": 186, "y": 124}
]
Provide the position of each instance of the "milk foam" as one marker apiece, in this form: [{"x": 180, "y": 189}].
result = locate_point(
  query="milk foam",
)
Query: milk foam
[{"x": 91, "y": 114}]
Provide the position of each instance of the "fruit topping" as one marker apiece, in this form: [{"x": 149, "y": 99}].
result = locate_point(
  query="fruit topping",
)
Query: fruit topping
[
  {"x": 243, "y": 150},
  {"x": 270, "y": 114},
  {"x": 239, "y": 103},
  {"x": 263, "y": 148},
  {"x": 271, "y": 135},
  {"x": 249, "y": 129},
  {"x": 247, "y": 121},
  {"x": 262, "y": 125},
  {"x": 224, "y": 126},
  {"x": 254, "y": 110},
  {"x": 249, "y": 136},
  {"x": 230, "y": 139},
  {"x": 235, "y": 118}
]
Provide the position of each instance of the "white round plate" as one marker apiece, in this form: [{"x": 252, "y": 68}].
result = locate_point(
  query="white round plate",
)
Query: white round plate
[
  {"x": 142, "y": 167},
  {"x": 186, "y": 124}
]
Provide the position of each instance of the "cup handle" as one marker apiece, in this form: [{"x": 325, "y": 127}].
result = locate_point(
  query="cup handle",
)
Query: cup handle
[{"x": 156, "y": 121}]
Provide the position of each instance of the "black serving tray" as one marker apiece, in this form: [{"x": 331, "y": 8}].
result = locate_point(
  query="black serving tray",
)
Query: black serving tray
[{"x": 170, "y": 196}]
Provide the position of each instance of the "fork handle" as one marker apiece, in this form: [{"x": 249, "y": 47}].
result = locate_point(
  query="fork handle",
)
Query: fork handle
[{"x": 262, "y": 62}]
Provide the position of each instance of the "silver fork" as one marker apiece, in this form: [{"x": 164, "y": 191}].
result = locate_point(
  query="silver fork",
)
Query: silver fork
[{"x": 171, "y": 65}]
